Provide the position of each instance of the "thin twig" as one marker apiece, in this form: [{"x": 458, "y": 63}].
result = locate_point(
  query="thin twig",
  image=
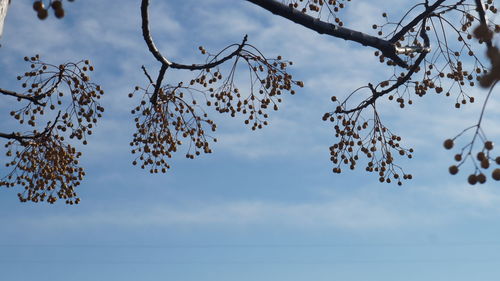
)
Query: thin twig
[{"x": 33, "y": 99}]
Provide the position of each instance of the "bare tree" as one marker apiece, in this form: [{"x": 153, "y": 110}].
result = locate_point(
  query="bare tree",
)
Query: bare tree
[{"x": 430, "y": 47}]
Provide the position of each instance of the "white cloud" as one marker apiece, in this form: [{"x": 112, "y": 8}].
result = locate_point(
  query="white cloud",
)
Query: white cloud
[
  {"x": 361, "y": 209},
  {"x": 344, "y": 214}
]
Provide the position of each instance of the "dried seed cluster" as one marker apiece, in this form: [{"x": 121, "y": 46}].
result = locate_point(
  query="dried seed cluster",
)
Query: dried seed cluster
[
  {"x": 445, "y": 70},
  {"x": 177, "y": 114},
  {"x": 450, "y": 68},
  {"x": 369, "y": 139},
  {"x": 47, "y": 168},
  {"x": 42, "y": 11},
  {"x": 46, "y": 84},
  {"x": 162, "y": 128},
  {"x": 319, "y": 7},
  {"x": 63, "y": 98},
  {"x": 481, "y": 159},
  {"x": 269, "y": 80}
]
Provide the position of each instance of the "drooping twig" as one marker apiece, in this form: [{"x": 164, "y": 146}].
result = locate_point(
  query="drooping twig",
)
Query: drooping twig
[
  {"x": 399, "y": 82},
  {"x": 415, "y": 21},
  {"x": 22, "y": 139}
]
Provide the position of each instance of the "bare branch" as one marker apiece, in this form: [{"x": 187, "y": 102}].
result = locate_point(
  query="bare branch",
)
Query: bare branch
[
  {"x": 399, "y": 82},
  {"x": 386, "y": 47},
  {"x": 22, "y": 139},
  {"x": 33, "y": 99},
  {"x": 146, "y": 33},
  {"x": 161, "y": 74},
  {"x": 415, "y": 21},
  {"x": 214, "y": 63},
  {"x": 147, "y": 74},
  {"x": 412, "y": 49}
]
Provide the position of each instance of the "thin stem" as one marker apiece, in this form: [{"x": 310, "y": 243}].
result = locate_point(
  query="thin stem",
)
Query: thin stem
[{"x": 33, "y": 99}]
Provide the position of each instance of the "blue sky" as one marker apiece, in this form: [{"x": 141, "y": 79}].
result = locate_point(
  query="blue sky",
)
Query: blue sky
[{"x": 264, "y": 205}]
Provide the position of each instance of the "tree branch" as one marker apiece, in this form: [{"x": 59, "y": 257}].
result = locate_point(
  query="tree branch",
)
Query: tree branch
[
  {"x": 18, "y": 137},
  {"x": 415, "y": 21},
  {"x": 399, "y": 82},
  {"x": 22, "y": 138},
  {"x": 33, "y": 99},
  {"x": 161, "y": 74},
  {"x": 386, "y": 47},
  {"x": 376, "y": 95},
  {"x": 214, "y": 63},
  {"x": 146, "y": 33},
  {"x": 147, "y": 74}
]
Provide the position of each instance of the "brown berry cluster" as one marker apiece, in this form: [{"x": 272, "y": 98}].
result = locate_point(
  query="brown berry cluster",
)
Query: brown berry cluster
[
  {"x": 63, "y": 98},
  {"x": 318, "y": 7},
  {"x": 65, "y": 88},
  {"x": 46, "y": 167},
  {"x": 164, "y": 125},
  {"x": 370, "y": 139},
  {"x": 269, "y": 81},
  {"x": 42, "y": 11},
  {"x": 449, "y": 68},
  {"x": 164, "y": 122},
  {"x": 432, "y": 81},
  {"x": 490, "y": 6},
  {"x": 481, "y": 159}
]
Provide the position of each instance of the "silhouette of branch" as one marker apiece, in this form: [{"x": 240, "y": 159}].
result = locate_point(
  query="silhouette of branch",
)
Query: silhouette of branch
[
  {"x": 415, "y": 21},
  {"x": 147, "y": 74},
  {"x": 157, "y": 85},
  {"x": 15, "y": 136},
  {"x": 387, "y": 48},
  {"x": 156, "y": 53},
  {"x": 22, "y": 138},
  {"x": 147, "y": 34},
  {"x": 33, "y": 99},
  {"x": 399, "y": 82}
]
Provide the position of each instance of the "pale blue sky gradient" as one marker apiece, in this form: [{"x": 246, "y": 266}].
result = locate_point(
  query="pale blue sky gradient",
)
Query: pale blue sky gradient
[{"x": 265, "y": 205}]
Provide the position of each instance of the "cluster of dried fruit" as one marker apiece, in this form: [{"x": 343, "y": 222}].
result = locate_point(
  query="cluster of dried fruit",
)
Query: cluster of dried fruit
[
  {"x": 446, "y": 71},
  {"x": 41, "y": 161},
  {"x": 450, "y": 69},
  {"x": 163, "y": 126},
  {"x": 42, "y": 12},
  {"x": 481, "y": 162},
  {"x": 177, "y": 113},
  {"x": 369, "y": 138},
  {"x": 317, "y": 8}
]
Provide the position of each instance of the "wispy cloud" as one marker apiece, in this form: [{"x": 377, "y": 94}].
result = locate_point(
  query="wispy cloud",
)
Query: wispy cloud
[{"x": 362, "y": 209}]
